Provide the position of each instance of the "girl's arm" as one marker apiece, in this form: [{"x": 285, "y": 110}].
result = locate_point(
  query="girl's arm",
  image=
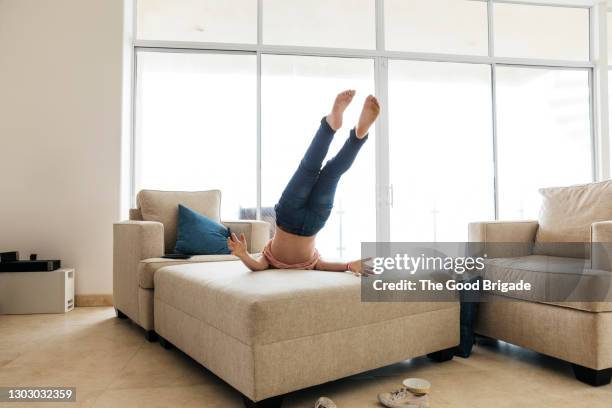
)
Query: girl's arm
[
  {"x": 253, "y": 264},
  {"x": 239, "y": 249},
  {"x": 357, "y": 267},
  {"x": 331, "y": 266}
]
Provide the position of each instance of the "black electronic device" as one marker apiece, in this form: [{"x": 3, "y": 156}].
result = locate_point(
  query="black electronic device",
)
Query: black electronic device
[
  {"x": 30, "y": 266},
  {"x": 9, "y": 256}
]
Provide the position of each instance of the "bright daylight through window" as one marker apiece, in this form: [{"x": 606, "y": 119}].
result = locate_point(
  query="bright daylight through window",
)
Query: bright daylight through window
[{"x": 232, "y": 107}]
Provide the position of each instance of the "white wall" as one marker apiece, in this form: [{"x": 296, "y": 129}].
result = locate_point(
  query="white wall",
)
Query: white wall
[{"x": 60, "y": 132}]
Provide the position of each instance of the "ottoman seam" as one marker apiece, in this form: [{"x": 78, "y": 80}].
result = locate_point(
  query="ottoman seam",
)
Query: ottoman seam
[
  {"x": 353, "y": 327},
  {"x": 298, "y": 337},
  {"x": 203, "y": 321}
]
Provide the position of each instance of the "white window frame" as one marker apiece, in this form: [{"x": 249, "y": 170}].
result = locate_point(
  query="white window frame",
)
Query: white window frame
[{"x": 597, "y": 66}]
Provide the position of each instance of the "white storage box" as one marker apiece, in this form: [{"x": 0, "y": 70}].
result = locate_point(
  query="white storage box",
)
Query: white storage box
[{"x": 37, "y": 292}]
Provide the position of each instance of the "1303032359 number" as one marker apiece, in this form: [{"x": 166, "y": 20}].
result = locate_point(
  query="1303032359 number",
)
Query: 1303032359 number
[{"x": 43, "y": 394}]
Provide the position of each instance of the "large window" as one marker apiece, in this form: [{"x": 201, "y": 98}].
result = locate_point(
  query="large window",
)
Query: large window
[
  {"x": 440, "y": 138},
  {"x": 321, "y": 23},
  {"x": 436, "y": 26},
  {"x": 544, "y": 32},
  {"x": 543, "y": 135},
  {"x": 484, "y": 102},
  {"x": 233, "y": 21},
  {"x": 296, "y": 93},
  {"x": 196, "y": 115}
]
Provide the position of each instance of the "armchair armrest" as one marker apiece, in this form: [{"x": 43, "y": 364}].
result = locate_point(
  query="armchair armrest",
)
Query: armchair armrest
[
  {"x": 133, "y": 241},
  {"x": 257, "y": 232},
  {"x": 512, "y": 238},
  {"x": 601, "y": 245}
]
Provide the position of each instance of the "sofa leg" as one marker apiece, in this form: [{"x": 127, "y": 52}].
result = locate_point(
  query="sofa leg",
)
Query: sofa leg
[
  {"x": 165, "y": 343},
  {"x": 120, "y": 314},
  {"x": 592, "y": 377},
  {"x": 274, "y": 402},
  {"x": 442, "y": 355},
  {"x": 151, "y": 336}
]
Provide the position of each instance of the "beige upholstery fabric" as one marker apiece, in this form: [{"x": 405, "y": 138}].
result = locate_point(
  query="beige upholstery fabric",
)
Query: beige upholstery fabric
[
  {"x": 148, "y": 267},
  {"x": 601, "y": 245},
  {"x": 272, "y": 332},
  {"x": 509, "y": 238},
  {"x": 263, "y": 371},
  {"x": 288, "y": 365},
  {"x": 138, "y": 246},
  {"x": 556, "y": 279},
  {"x": 162, "y": 206},
  {"x": 145, "y": 308},
  {"x": 572, "y": 335},
  {"x": 257, "y": 233},
  {"x": 135, "y": 214},
  {"x": 274, "y": 305},
  {"x": 567, "y": 213},
  {"x": 579, "y": 332},
  {"x": 132, "y": 242},
  {"x": 502, "y": 231}
]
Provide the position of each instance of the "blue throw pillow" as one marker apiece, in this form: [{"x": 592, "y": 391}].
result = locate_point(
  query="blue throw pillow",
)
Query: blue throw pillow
[{"x": 199, "y": 235}]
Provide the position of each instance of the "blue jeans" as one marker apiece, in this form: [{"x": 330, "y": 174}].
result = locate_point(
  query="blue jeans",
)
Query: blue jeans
[{"x": 308, "y": 199}]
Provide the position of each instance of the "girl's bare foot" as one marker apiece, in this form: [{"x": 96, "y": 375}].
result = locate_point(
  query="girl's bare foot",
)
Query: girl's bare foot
[
  {"x": 334, "y": 119},
  {"x": 369, "y": 113}
]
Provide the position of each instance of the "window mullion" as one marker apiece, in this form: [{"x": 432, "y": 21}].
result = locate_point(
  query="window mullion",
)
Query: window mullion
[
  {"x": 383, "y": 185},
  {"x": 598, "y": 82},
  {"x": 494, "y": 136},
  {"x": 491, "y": 44},
  {"x": 258, "y": 120}
]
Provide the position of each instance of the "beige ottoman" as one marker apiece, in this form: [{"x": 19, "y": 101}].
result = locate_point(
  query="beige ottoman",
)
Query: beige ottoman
[{"x": 271, "y": 332}]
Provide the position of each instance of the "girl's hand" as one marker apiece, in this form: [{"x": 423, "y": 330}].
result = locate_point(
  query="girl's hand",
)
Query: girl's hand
[
  {"x": 360, "y": 268},
  {"x": 237, "y": 246}
]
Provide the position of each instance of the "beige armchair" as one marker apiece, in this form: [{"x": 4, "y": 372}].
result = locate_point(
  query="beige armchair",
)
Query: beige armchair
[
  {"x": 567, "y": 250},
  {"x": 140, "y": 243}
]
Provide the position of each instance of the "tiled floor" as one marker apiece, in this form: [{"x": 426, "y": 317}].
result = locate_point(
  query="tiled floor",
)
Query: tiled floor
[{"x": 111, "y": 365}]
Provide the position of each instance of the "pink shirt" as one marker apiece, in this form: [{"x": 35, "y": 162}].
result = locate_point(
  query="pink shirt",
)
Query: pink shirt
[{"x": 310, "y": 264}]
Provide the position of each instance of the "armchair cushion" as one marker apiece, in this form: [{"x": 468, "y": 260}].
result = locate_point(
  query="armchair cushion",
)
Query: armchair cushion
[
  {"x": 503, "y": 231},
  {"x": 567, "y": 282},
  {"x": 566, "y": 216},
  {"x": 503, "y": 238},
  {"x": 162, "y": 206},
  {"x": 148, "y": 267}
]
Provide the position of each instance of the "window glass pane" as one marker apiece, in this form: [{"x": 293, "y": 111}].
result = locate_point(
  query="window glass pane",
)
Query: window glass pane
[
  {"x": 230, "y": 21},
  {"x": 441, "y": 154},
  {"x": 609, "y": 37},
  {"x": 296, "y": 93},
  {"x": 324, "y": 23},
  {"x": 609, "y": 164},
  {"x": 528, "y": 31},
  {"x": 543, "y": 135},
  {"x": 436, "y": 26},
  {"x": 187, "y": 136}
]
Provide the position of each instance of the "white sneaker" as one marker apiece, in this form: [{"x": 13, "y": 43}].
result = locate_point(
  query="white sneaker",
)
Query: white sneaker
[
  {"x": 403, "y": 398},
  {"x": 325, "y": 402}
]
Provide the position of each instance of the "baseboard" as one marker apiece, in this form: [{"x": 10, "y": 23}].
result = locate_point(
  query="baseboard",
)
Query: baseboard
[{"x": 93, "y": 300}]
